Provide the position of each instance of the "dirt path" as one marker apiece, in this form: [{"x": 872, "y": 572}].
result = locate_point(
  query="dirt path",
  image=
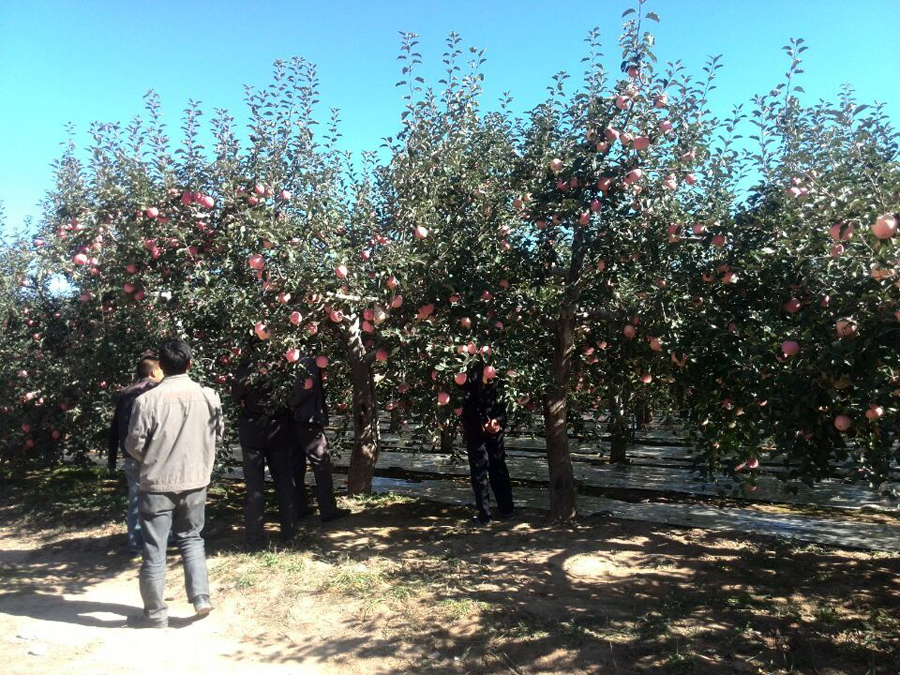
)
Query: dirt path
[{"x": 65, "y": 611}]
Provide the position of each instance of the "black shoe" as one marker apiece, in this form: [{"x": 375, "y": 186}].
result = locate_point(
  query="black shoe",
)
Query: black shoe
[
  {"x": 479, "y": 521},
  {"x": 507, "y": 516},
  {"x": 335, "y": 514},
  {"x": 202, "y": 605},
  {"x": 141, "y": 621}
]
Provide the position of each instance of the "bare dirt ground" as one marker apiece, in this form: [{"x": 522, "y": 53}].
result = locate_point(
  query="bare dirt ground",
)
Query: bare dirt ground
[{"x": 404, "y": 587}]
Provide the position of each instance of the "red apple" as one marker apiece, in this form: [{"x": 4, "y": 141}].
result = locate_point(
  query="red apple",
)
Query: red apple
[
  {"x": 842, "y": 422},
  {"x": 841, "y": 231},
  {"x": 790, "y": 348},
  {"x": 885, "y": 226},
  {"x": 792, "y": 306},
  {"x": 845, "y": 328},
  {"x": 443, "y": 398},
  {"x": 641, "y": 143},
  {"x": 420, "y": 232},
  {"x": 874, "y": 412},
  {"x": 292, "y": 355}
]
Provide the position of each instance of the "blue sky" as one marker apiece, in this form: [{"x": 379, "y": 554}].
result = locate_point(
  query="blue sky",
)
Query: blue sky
[{"x": 83, "y": 60}]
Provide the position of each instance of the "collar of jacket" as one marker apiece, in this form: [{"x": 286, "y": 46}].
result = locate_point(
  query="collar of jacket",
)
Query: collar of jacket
[{"x": 182, "y": 376}]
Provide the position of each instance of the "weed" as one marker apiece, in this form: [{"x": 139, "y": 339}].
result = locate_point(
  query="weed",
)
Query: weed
[{"x": 681, "y": 663}]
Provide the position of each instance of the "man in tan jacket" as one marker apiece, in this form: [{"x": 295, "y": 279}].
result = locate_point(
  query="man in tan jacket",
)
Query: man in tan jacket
[{"x": 173, "y": 433}]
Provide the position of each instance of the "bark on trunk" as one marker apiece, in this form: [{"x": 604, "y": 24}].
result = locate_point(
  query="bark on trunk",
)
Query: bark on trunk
[
  {"x": 563, "y": 506},
  {"x": 365, "y": 416}
]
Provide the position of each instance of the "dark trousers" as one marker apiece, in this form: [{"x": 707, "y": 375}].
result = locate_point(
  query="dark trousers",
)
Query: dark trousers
[
  {"x": 487, "y": 463},
  {"x": 312, "y": 446},
  {"x": 182, "y": 513},
  {"x": 267, "y": 443}
]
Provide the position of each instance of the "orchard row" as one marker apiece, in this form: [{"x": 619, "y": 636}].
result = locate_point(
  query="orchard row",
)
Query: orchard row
[{"x": 617, "y": 251}]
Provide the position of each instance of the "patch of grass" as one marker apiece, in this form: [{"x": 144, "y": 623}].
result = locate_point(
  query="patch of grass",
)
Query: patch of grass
[
  {"x": 826, "y": 615},
  {"x": 356, "y": 581},
  {"x": 681, "y": 662},
  {"x": 67, "y": 495},
  {"x": 659, "y": 621},
  {"x": 789, "y": 610},
  {"x": 457, "y": 608},
  {"x": 245, "y": 580},
  {"x": 379, "y": 499}
]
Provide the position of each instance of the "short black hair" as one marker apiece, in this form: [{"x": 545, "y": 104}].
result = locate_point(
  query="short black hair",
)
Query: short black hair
[
  {"x": 146, "y": 366},
  {"x": 174, "y": 357}
]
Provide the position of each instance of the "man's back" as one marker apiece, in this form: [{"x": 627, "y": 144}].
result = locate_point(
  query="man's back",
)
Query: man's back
[{"x": 174, "y": 430}]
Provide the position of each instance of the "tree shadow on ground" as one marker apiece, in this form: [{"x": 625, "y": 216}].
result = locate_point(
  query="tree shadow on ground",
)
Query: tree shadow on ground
[
  {"x": 605, "y": 596},
  {"x": 415, "y": 590}
]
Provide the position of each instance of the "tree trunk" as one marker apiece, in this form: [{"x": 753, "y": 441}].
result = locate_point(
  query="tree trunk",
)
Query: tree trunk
[
  {"x": 562, "y": 481},
  {"x": 448, "y": 436},
  {"x": 396, "y": 418},
  {"x": 365, "y": 415},
  {"x": 619, "y": 431}
]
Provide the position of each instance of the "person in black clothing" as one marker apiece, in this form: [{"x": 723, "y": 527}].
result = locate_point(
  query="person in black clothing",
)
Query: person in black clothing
[
  {"x": 149, "y": 375},
  {"x": 310, "y": 413},
  {"x": 484, "y": 421},
  {"x": 266, "y": 437}
]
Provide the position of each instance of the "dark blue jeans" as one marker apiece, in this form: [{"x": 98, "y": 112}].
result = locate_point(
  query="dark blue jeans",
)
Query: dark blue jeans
[
  {"x": 132, "y": 469},
  {"x": 183, "y": 514}
]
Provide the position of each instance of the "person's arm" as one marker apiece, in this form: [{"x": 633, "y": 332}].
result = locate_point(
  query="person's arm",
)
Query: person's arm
[
  {"x": 139, "y": 429},
  {"x": 239, "y": 386},
  {"x": 113, "y": 443},
  {"x": 498, "y": 411},
  {"x": 218, "y": 418}
]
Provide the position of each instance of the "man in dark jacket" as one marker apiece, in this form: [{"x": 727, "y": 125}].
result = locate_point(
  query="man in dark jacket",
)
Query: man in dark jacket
[
  {"x": 265, "y": 434},
  {"x": 484, "y": 421},
  {"x": 149, "y": 375},
  {"x": 310, "y": 413}
]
